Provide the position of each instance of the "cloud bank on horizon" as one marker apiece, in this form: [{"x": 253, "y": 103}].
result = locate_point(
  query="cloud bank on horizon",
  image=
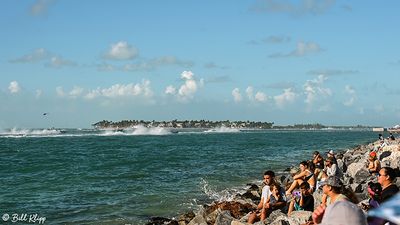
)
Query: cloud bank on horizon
[{"x": 280, "y": 61}]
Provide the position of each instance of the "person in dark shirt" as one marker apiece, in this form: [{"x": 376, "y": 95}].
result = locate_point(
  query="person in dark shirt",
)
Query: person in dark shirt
[
  {"x": 391, "y": 137},
  {"x": 304, "y": 202},
  {"x": 386, "y": 179}
]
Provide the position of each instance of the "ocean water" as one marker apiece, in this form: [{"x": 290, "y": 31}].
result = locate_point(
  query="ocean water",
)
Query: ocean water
[{"x": 124, "y": 177}]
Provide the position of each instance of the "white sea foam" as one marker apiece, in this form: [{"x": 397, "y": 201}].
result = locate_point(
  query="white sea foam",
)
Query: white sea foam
[
  {"x": 222, "y": 129},
  {"x": 222, "y": 195},
  {"x": 138, "y": 130},
  {"x": 15, "y": 132}
]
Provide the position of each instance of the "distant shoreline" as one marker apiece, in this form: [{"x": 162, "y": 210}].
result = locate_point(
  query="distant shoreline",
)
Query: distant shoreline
[{"x": 207, "y": 124}]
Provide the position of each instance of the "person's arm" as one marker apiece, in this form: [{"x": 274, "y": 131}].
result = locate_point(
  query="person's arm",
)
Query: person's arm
[
  {"x": 300, "y": 175},
  {"x": 279, "y": 204},
  {"x": 318, "y": 214},
  {"x": 377, "y": 165},
  {"x": 267, "y": 205}
]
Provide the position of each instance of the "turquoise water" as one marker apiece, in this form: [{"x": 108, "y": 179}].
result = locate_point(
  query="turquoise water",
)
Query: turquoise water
[{"x": 105, "y": 177}]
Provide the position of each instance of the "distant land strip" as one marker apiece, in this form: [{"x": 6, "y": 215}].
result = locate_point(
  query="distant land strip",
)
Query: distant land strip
[{"x": 105, "y": 124}]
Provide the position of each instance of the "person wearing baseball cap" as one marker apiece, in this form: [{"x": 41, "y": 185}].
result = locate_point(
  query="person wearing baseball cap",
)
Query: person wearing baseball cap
[{"x": 339, "y": 213}]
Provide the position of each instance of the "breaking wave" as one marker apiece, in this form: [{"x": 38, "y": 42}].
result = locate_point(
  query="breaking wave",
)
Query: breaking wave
[
  {"x": 213, "y": 194},
  {"x": 223, "y": 129},
  {"x": 138, "y": 130},
  {"x": 15, "y": 132}
]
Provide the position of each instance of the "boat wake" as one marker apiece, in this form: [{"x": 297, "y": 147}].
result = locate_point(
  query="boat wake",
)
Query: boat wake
[{"x": 222, "y": 130}]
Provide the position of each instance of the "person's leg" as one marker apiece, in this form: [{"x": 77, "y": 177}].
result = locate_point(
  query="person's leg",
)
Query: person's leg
[
  {"x": 263, "y": 214},
  {"x": 294, "y": 185},
  {"x": 252, "y": 218},
  {"x": 291, "y": 207}
]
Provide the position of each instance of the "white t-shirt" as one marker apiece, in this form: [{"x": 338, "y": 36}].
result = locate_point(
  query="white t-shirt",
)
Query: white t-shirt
[{"x": 266, "y": 192}]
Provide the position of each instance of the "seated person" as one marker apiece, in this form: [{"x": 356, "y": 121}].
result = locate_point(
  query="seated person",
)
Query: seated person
[
  {"x": 331, "y": 168},
  {"x": 305, "y": 202},
  {"x": 318, "y": 161},
  {"x": 305, "y": 175},
  {"x": 382, "y": 145},
  {"x": 269, "y": 181},
  {"x": 386, "y": 178},
  {"x": 391, "y": 137},
  {"x": 375, "y": 192},
  {"x": 331, "y": 154},
  {"x": 374, "y": 164},
  {"x": 275, "y": 201}
]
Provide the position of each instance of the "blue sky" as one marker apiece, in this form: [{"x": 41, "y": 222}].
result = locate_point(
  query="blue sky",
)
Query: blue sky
[{"x": 306, "y": 61}]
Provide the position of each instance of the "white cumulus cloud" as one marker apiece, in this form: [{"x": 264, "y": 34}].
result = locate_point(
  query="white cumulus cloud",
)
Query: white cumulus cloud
[
  {"x": 260, "y": 97},
  {"x": 313, "y": 89},
  {"x": 237, "y": 97},
  {"x": 76, "y": 92},
  {"x": 286, "y": 97},
  {"x": 249, "y": 92},
  {"x": 121, "y": 51},
  {"x": 14, "y": 87},
  {"x": 170, "y": 90},
  {"x": 351, "y": 96},
  {"x": 122, "y": 90},
  {"x": 188, "y": 89}
]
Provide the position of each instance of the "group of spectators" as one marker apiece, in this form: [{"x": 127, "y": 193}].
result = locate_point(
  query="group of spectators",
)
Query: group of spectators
[{"x": 338, "y": 203}]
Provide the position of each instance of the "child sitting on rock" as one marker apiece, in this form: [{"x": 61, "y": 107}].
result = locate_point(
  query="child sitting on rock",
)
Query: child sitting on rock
[
  {"x": 305, "y": 202},
  {"x": 274, "y": 199}
]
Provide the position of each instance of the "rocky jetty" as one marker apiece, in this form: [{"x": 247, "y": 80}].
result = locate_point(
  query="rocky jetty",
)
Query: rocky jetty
[{"x": 352, "y": 162}]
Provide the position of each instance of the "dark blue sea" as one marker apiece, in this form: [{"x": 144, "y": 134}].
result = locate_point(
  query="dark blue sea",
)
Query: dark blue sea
[{"x": 76, "y": 176}]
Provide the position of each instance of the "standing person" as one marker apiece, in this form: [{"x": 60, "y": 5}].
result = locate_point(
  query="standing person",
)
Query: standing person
[
  {"x": 305, "y": 202},
  {"x": 269, "y": 179},
  {"x": 386, "y": 178}
]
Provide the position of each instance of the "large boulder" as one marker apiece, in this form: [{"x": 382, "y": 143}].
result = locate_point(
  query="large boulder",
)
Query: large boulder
[
  {"x": 391, "y": 158},
  {"x": 342, "y": 166},
  {"x": 237, "y": 209},
  {"x": 235, "y": 222},
  {"x": 358, "y": 171},
  {"x": 299, "y": 217},
  {"x": 224, "y": 218},
  {"x": 186, "y": 218},
  {"x": 200, "y": 218}
]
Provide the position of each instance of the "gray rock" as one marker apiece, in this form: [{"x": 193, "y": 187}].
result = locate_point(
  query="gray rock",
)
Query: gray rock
[
  {"x": 342, "y": 166},
  {"x": 357, "y": 188},
  {"x": 358, "y": 171},
  {"x": 224, "y": 218},
  {"x": 235, "y": 222},
  {"x": 199, "y": 219},
  {"x": 299, "y": 217}
]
